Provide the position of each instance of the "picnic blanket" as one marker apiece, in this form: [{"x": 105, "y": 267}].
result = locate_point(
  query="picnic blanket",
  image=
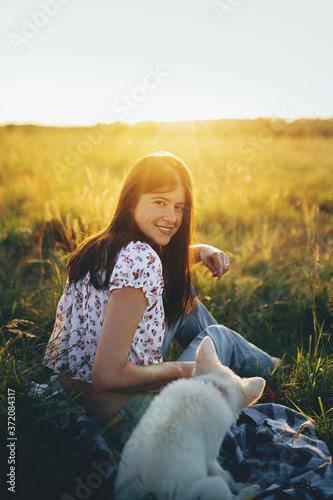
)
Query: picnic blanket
[
  {"x": 270, "y": 445},
  {"x": 277, "y": 448}
]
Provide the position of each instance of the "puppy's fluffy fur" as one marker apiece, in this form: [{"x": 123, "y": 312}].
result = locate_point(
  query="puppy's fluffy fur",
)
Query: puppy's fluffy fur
[{"x": 172, "y": 452}]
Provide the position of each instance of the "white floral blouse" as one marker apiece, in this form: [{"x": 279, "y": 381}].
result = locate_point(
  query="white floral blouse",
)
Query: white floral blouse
[{"x": 82, "y": 307}]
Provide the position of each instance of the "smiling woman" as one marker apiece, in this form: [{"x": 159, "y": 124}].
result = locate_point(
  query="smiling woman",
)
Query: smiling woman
[
  {"x": 128, "y": 293},
  {"x": 111, "y": 317}
]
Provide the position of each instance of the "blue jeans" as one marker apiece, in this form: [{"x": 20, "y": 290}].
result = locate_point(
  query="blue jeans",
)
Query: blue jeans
[{"x": 233, "y": 350}]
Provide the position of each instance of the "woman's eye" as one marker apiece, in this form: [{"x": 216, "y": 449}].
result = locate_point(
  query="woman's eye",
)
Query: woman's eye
[
  {"x": 160, "y": 202},
  {"x": 180, "y": 208}
]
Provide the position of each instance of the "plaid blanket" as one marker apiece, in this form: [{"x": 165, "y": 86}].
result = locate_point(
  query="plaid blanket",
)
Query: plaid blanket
[
  {"x": 277, "y": 448},
  {"x": 270, "y": 445}
]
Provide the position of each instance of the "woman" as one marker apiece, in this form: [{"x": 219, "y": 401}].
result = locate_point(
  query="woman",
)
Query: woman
[{"x": 124, "y": 284}]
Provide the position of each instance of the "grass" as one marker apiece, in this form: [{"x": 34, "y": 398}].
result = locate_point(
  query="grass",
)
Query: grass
[
  {"x": 263, "y": 194},
  {"x": 307, "y": 388}
]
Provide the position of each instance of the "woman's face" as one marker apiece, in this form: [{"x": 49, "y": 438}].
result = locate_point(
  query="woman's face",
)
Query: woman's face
[{"x": 159, "y": 215}]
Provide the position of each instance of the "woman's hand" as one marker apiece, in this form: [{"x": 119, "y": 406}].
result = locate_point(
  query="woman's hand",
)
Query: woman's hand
[
  {"x": 217, "y": 261},
  {"x": 187, "y": 368}
]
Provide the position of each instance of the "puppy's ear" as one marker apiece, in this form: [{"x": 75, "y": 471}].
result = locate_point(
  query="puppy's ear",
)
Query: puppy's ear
[
  {"x": 206, "y": 357},
  {"x": 252, "y": 389}
]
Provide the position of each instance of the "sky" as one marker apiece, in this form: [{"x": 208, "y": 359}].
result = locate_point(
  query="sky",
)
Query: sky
[{"x": 82, "y": 62}]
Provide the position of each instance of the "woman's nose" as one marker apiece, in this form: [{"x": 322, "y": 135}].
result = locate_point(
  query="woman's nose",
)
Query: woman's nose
[{"x": 170, "y": 215}]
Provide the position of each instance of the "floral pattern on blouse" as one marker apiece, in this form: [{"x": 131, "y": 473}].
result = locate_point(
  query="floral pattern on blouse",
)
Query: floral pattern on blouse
[{"x": 81, "y": 309}]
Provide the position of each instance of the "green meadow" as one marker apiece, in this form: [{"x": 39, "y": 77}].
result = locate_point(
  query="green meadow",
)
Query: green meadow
[{"x": 263, "y": 194}]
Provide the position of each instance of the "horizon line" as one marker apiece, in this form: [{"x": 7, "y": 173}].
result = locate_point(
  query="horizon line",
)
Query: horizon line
[{"x": 91, "y": 125}]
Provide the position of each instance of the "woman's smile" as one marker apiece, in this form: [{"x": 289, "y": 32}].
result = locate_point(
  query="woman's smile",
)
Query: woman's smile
[{"x": 165, "y": 230}]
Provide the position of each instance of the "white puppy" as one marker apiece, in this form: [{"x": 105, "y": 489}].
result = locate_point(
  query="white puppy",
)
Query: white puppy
[{"x": 172, "y": 451}]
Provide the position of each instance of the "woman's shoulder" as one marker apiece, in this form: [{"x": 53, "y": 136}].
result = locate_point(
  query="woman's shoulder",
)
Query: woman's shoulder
[
  {"x": 140, "y": 251},
  {"x": 138, "y": 265}
]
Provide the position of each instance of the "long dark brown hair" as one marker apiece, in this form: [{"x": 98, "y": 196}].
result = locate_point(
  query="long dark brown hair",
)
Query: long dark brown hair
[{"x": 160, "y": 172}]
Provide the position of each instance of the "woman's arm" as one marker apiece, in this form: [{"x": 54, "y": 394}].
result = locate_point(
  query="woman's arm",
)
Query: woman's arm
[
  {"x": 111, "y": 371},
  {"x": 217, "y": 261}
]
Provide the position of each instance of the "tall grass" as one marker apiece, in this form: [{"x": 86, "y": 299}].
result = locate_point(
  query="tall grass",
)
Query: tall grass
[{"x": 266, "y": 198}]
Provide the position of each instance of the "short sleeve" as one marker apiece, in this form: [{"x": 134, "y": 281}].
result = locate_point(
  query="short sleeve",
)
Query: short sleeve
[{"x": 139, "y": 266}]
